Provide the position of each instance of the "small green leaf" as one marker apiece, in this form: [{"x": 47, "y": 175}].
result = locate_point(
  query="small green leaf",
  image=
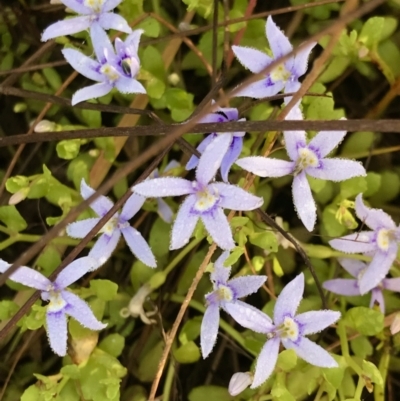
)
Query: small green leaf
[
  {"x": 151, "y": 27},
  {"x": 372, "y": 372},
  {"x": 71, "y": 371},
  {"x": 209, "y": 393},
  {"x": 10, "y": 216},
  {"x": 14, "y": 184},
  {"x": 234, "y": 256},
  {"x": 7, "y": 309},
  {"x": 106, "y": 290},
  {"x": 190, "y": 330},
  {"x": 92, "y": 118},
  {"x": 287, "y": 360},
  {"x": 373, "y": 184},
  {"x": 361, "y": 347},
  {"x": 265, "y": 240},
  {"x": 352, "y": 187},
  {"x": 68, "y": 149},
  {"x": 366, "y": 321},
  {"x": 187, "y": 353},
  {"x": 113, "y": 344}
]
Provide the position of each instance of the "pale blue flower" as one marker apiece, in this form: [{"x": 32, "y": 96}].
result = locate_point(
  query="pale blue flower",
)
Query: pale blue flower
[
  {"x": 381, "y": 243},
  {"x": 350, "y": 287},
  {"x": 112, "y": 69},
  {"x": 306, "y": 159},
  {"x": 236, "y": 140},
  {"x": 112, "y": 230},
  {"x": 289, "y": 330},
  {"x": 206, "y": 199},
  {"x": 225, "y": 291},
  {"x": 93, "y": 12},
  {"x": 284, "y": 76},
  {"x": 61, "y": 301}
]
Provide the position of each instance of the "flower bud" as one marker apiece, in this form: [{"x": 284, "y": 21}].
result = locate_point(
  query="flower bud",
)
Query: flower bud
[
  {"x": 45, "y": 126},
  {"x": 239, "y": 382},
  {"x": 395, "y": 326}
]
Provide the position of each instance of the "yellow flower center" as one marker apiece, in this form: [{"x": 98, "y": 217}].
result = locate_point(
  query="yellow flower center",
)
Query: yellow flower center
[
  {"x": 95, "y": 5},
  {"x": 205, "y": 200},
  {"x": 57, "y": 302},
  {"x": 280, "y": 73},
  {"x": 383, "y": 238},
  {"x": 289, "y": 329},
  {"x": 307, "y": 158},
  {"x": 110, "y": 226},
  {"x": 224, "y": 293},
  {"x": 110, "y": 72}
]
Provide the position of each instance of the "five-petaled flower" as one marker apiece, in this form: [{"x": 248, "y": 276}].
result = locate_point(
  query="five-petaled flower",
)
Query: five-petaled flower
[
  {"x": 225, "y": 295},
  {"x": 93, "y": 12},
  {"x": 236, "y": 140},
  {"x": 61, "y": 301},
  {"x": 111, "y": 69},
  {"x": 381, "y": 244},
  {"x": 206, "y": 199},
  {"x": 350, "y": 287},
  {"x": 284, "y": 76},
  {"x": 112, "y": 230},
  {"x": 306, "y": 159},
  {"x": 289, "y": 329}
]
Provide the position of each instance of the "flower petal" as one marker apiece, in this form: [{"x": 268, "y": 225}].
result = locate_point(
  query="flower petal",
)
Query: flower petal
[
  {"x": 131, "y": 43},
  {"x": 83, "y": 64},
  {"x": 194, "y": 160},
  {"x": 316, "y": 321},
  {"x": 211, "y": 159},
  {"x": 265, "y": 166},
  {"x": 81, "y": 312},
  {"x": 245, "y": 285},
  {"x": 184, "y": 224},
  {"x": 294, "y": 139},
  {"x": 373, "y": 218},
  {"x": 253, "y": 59},
  {"x": 81, "y": 228},
  {"x": 164, "y": 211},
  {"x": 289, "y": 299},
  {"x": 361, "y": 242},
  {"x": 234, "y": 150},
  {"x": 74, "y": 271},
  {"x": 391, "y": 284},
  {"x": 101, "y": 43},
  {"x": 378, "y": 268},
  {"x": 109, "y": 5},
  {"x": 57, "y": 332},
  {"x": 132, "y": 206},
  {"x": 218, "y": 227},
  {"x": 325, "y": 141},
  {"x": 342, "y": 286},
  {"x": 90, "y": 92},
  {"x": 114, "y": 21},
  {"x": 129, "y": 85},
  {"x": 139, "y": 246},
  {"x": 310, "y": 352},
  {"x": 260, "y": 89},
  {"x": 249, "y": 317},
  {"x": 337, "y": 169},
  {"x": 78, "y": 7},
  {"x": 236, "y": 198},
  {"x": 101, "y": 205},
  {"x": 301, "y": 60},
  {"x": 278, "y": 42},
  {"x": 209, "y": 329},
  {"x": 352, "y": 266},
  {"x": 266, "y": 362},
  {"x": 66, "y": 27},
  {"x": 292, "y": 87},
  {"x": 377, "y": 299},
  {"x": 221, "y": 274},
  {"x": 303, "y": 201},
  {"x": 104, "y": 247},
  {"x": 164, "y": 186}
]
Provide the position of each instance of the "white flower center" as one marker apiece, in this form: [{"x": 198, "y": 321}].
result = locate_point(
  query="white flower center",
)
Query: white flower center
[
  {"x": 110, "y": 226},
  {"x": 280, "y": 73},
  {"x": 224, "y": 293},
  {"x": 110, "y": 72},
  {"x": 56, "y": 301},
  {"x": 95, "y": 5},
  {"x": 289, "y": 329},
  {"x": 307, "y": 158},
  {"x": 130, "y": 66},
  {"x": 383, "y": 238},
  {"x": 205, "y": 200}
]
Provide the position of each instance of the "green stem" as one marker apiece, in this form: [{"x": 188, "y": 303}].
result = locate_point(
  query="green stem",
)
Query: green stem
[
  {"x": 6, "y": 243},
  {"x": 359, "y": 389},
  {"x": 379, "y": 391},
  {"x": 168, "y": 381}
]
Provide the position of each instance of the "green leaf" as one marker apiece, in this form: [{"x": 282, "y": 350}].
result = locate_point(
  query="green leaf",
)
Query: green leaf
[
  {"x": 159, "y": 240},
  {"x": 331, "y": 226},
  {"x": 68, "y": 149},
  {"x": 150, "y": 26},
  {"x": 358, "y": 142},
  {"x": 281, "y": 393},
  {"x": 7, "y": 309},
  {"x": 265, "y": 240},
  {"x": 389, "y": 188},
  {"x": 371, "y": 31},
  {"x": 372, "y": 372},
  {"x": 366, "y": 321},
  {"x": 52, "y": 77},
  {"x": 190, "y": 330},
  {"x": 352, "y": 187},
  {"x": 14, "y": 184},
  {"x": 105, "y": 290},
  {"x": 10, "y": 216},
  {"x": 36, "y": 318},
  {"x": 187, "y": 353},
  {"x": 92, "y": 118},
  {"x": 180, "y": 103},
  {"x": 237, "y": 252},
  {"x": 335, "y": 69},
  {"x": 209, "y": 393},
  {"x": 149, "y": 363},
  {"x": 202, "y": 7},
  {"x": 113, "y": 344},
  {"x": 361, "y": 347},
  {"x": 155, "y": 88},
  {"x": 49, "y": 259},
  {"x": 32, "y": 393},
  {"x": 71, "y": 371},
  {"x": 373, "y": 184},
  {"x": 287, "y": 360}
]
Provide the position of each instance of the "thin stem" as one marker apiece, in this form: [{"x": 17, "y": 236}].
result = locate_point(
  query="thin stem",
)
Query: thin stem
[{"x": 169, "y": 381}]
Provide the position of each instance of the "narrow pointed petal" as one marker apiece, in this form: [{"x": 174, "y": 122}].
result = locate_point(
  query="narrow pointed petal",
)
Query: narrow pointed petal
[
  {"x": 303, "y": 201},
  {"x": 231, "y": 156},
  {"x": 378, "y": 268},
  {"x": 266, "y": 167},
  {"x": 236, "y": 198},
  {"x": 78, "y": 7},
  {"x": 266, "y": 362},
  {"x": 301, "y": 60},
  {"x": 171, "y": 165},
  {"x": 194, "y": 160},
  {"x": 230, "y": 112},
  {"x": 377, "y": 299},
  {"x": 294, "y": 139},
  {"x": 292, "y": 87},
  {"x": 66, "y": 27},
  {"x": 253, "y": 59},
  {"x": 164, "y": 186},
  {"x": 342, "y": 286},
  {"x": 83, "y": 64},
  {"x": 74, "y": 271},
  {"x": 289, "y": 299},
  {"x": 104, "y": 247},
  {"x": 310, "y": 352},
  {"x": 129, "y": 85},
  {"x": 57, "y": 332},
  {"x": 211, "y": 159},
  {"x": 132, "y": 206},
  {"x": 246, "y": 285},
  {"x": 184, "y": 224},
  {"x": 278, "y": 42},
  {"x": 27, "y": 276},
  {"x": 110, "y": 5},
  {"x": 221, "y": 274},
  {"x": 352, "y": 266},
  {"x": 209, "y": 329},
  {"x": 81, "y": 228},
  {"x": 101, "y": 43},
  {"x": 139, "y": 246},
  {"x": 373, "y": 218},
  {"x": 81, "y": 312},
  {"x": 114, "y": 21},
  {"x": 131, "y": 43},
  {"x": 325, "y": 141},
  {"x": 164, "y": 211},
  {"x": 361, "y": 242},
  {"x": 249, "y": 317},
  {"x": 316, "y": 321},
  {"x": 260, "y": 89},
  {"x": 218, "y": 227},
  {"x": 101, "y": 205},
  {"x": 90, "y": 92},
  {"x": 391, "y": 284},
  {"x": 337, "y": 169}
]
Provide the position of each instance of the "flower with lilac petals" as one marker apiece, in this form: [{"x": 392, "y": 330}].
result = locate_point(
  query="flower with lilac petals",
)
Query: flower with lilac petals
[
  {"x": 289, "y": 329},
  {"x": 381, "y": 244},
  {"x": 93, "y": 12},
  {"x": 225, "y": 291},
  {"x": 61, "y": 301},
  {"x": 112, "y": 230},
  {"x": 236, "y": 140},
  {"x": 350, "y": 287},
  {"x": 284, "y": 76},
  {"x": 305, "y": 159},
  {"x": 206, "y": 198},
  {"x": 111, "y": 69}
]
